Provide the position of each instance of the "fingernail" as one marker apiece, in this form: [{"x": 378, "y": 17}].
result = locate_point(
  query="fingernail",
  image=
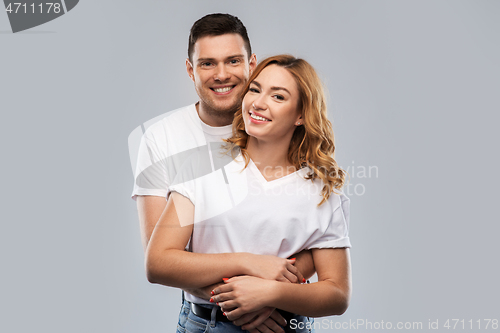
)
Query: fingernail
[
  {"x": 225, "y": 279},
  {"x": 303, "y": 281},
  {"x": 217, "y": 303},
  {"x": 224, "y": 314},
  {"x": 292, "y": 259},
  {"x": 212, "y": 292},
  {"x": 211, "y": 300}
]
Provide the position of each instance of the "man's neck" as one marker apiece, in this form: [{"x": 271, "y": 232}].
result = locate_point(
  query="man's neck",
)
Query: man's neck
[{"x": 214, "y": 118}]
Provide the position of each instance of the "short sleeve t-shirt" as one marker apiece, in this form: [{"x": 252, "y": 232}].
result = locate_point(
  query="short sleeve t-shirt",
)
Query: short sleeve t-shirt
[
  {"x": 167, "y": 144},
  {"x": 238, "y": 210}
]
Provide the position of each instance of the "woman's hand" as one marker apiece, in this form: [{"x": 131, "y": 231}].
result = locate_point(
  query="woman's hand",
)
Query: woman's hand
[
  {"x": 272, "y": 268},
  {"x": 243, "y": 294}
]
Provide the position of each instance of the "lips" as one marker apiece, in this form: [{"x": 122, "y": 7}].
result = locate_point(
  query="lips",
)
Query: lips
[
  {"x": 256, "y": 116},
  {"x": 222, "y": 90}
]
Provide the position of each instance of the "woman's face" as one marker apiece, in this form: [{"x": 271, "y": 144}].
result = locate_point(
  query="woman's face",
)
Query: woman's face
[{"x": 270, "y": 107}]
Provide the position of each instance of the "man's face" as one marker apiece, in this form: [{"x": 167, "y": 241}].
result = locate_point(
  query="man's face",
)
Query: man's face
[{"x": 220, "y": 70}]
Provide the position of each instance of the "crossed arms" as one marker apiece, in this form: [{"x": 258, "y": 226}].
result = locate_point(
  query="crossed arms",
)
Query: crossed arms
[{"x": 257, "y": 280}]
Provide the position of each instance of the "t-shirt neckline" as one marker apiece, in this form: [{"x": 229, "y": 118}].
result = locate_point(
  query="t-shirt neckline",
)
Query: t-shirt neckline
[
  {"x": 211, "y": 130},
  {"x": 260, "y": 177}
]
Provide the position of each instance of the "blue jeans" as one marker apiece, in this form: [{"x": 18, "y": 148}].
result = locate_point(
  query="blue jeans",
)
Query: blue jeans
[
  {"x": 190, "y": 323},
  {"x": 183, "y": 315}
]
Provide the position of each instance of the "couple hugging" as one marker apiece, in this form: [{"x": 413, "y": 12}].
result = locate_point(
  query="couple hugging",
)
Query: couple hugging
[{"x": 239, "y": 195}]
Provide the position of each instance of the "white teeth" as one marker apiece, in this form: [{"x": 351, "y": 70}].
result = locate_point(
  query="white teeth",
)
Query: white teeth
[
  {"x": 258, "y": 118},
  {"x": 222, "y": 90}
]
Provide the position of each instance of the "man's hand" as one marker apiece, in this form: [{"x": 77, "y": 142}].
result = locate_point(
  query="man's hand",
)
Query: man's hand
[{"x": 264, "y": 320}]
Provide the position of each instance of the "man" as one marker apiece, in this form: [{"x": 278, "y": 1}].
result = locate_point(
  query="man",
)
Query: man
[{"x": 219, "y": 63}]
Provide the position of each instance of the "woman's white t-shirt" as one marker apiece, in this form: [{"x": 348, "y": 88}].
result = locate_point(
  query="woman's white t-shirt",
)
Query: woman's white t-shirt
[{"x": 238, "y": 210}]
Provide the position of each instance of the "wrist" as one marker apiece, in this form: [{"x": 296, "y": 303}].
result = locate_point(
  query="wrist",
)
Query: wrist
[
  {"x": 274, "y": 292},
  {"x": 241, "y": 263}
]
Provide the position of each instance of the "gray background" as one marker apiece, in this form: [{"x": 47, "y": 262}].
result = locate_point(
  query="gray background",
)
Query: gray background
[{"x": 413, "y": 89}]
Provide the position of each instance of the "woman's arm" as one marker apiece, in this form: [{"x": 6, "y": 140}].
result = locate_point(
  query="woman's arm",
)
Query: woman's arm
[
  {"x": 305, "y": 264},
  {"x": 169, "y": 264},
  {"x": 329, "y": 296}
]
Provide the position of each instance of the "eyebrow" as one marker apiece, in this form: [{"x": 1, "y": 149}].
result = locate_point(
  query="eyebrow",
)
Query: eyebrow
[
  {"x": 228, "y": 58},
  {"x": 272, "y": 88}
]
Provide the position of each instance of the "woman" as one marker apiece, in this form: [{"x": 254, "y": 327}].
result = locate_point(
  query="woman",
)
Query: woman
[{"x": 278, "y": 196}]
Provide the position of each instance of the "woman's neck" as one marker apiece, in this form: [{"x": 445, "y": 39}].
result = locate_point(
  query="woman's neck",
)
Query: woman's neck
[{"x": 271, "y": 158}]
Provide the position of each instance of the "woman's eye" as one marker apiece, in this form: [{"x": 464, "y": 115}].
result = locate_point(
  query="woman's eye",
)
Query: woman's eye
[
  {"x": 253, "y": 90},
  {"x": 279, "y": 97}
]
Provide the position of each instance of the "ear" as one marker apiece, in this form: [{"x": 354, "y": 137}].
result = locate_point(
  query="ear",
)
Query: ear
[
  {"x": 190, "y": 69},
  {"x": 299, "y": 121},
  {"x": 252, "y": 62}
]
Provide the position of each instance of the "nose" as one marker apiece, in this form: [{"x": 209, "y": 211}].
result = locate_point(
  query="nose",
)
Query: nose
[
  {"x": 260, "y": 103},
  {"x": 221, "y": 74}
]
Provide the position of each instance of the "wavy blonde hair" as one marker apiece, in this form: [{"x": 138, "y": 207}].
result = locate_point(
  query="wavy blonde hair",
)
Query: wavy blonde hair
[{"x": 312, "y": 143}]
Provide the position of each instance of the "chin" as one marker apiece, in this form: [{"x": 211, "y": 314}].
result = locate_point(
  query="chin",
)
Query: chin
[
  {"x": 252, "y": 132},
  {"x": 228, "y": 107}
]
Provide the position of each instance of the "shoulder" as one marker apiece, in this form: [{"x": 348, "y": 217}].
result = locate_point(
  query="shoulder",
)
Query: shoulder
[
  {"x": 337, "y": 198},
  {"x": 172, "y": 121}
]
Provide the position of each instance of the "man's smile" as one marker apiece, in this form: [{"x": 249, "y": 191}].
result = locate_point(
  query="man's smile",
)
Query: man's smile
[{"x": 222, "y": 90}]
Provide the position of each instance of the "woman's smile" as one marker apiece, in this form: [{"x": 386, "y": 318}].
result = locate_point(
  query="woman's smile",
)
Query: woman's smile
[{"x": 257, "y": 117}]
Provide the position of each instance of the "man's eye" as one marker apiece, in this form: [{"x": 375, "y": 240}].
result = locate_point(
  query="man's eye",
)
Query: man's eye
[
  {"x": 234, "y": 61},
  {"x": 206, "y": 64}
]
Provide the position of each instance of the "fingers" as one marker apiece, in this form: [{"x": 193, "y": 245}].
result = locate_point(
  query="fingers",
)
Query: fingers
[
  {"x": 222, "y": 289},
  {"x": 246, "y": 318},
  {"x": 262, "y": 315},
  {"x": 268, "y": 326},
  {"x": 263, "y": 329},
  {"x": 276, "y": 316},
  {"x": 222, "y": 297},
  {"x": 297, "y": 273},
  {"x": 300, "y": 277},
  {"x": 227, "y": 306},
  {"x": 273, "y": 326},
  {"x": 234, "y": 314},
  {"x": 291, "y": 272}
]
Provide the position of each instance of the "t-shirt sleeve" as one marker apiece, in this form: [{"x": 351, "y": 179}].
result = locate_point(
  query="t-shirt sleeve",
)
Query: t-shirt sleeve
[
  {"x": 151, "y": 177},
  {"x": 186, "y": 189},
  {"x": 336, "y": 234},
  {"x": 184, "y": 181}
]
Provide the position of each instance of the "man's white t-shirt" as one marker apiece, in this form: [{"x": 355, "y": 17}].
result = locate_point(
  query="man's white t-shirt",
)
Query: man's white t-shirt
[
  {"x": 167, "y": 144},
  {"x": 238, "y": 210}
]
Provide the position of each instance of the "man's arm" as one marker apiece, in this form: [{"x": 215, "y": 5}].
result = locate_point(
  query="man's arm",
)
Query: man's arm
[
  {"x": 169, "y": 264},
  {"x": 150, "y": 209}
]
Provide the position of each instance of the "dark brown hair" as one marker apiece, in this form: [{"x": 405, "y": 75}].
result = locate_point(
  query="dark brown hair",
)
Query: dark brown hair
[{"x": 216, "y": 25}]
